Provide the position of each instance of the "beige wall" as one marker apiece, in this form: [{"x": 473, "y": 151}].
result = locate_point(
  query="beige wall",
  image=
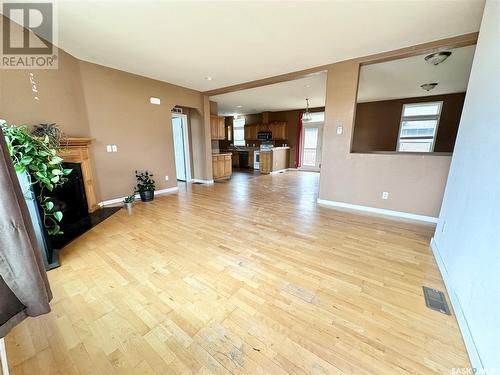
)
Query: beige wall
[
  {"x": 119, "y": 112},
  {"x": 415, "y": 182},
  {"x": 60, "y": 97},
  {"x": 111, "y": 106}
]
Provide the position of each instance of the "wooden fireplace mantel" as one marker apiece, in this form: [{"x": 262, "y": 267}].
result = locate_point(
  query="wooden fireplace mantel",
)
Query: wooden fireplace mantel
[{"x": 76, "y": 150}]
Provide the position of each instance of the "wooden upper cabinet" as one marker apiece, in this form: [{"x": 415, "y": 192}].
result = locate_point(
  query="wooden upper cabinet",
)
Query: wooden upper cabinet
[
  {"x": 278, "y": 130},
  {"x": 221, "y": 129},
  {"x": 251, "y": 132},
  {"x": 217, "y": 129}
]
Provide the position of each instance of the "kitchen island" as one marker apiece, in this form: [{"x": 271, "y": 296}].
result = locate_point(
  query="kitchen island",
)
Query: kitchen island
[
  {"x": 222, "y": 165},
  {"x": 274, "y": 159}
]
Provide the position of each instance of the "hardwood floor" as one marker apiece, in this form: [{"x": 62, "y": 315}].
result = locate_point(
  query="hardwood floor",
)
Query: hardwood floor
[{"x": 248, "y": 276}]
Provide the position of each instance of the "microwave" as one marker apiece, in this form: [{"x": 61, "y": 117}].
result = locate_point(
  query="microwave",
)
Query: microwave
[{"x": 264, "y": 136}]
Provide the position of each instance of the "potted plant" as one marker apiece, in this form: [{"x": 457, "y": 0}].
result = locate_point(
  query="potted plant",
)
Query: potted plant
[
  {"x": 128, "y": 201},
  {"x": 36, "y": 158},
  {"x": 145, "y": 186}
]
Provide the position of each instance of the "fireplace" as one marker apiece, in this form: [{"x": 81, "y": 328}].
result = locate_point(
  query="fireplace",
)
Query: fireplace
[{"x": 71, "y": 200}]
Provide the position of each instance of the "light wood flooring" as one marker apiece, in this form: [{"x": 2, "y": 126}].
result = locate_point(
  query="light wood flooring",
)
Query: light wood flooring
[{"x": 248, "y": 276}]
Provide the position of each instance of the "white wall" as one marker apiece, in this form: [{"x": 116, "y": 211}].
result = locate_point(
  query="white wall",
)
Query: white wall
[{"x": 467, "y": 238}]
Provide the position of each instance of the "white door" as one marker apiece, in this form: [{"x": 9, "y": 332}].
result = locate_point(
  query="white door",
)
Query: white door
[
  {"x": 181, "y": 150},
  {"x": 311, "y": 146}
]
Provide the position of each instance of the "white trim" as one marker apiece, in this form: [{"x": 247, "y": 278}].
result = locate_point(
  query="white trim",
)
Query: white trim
[
  {"x": 474, "y": 356},
  {"x": 187, "y": 154},
  {"x": 279, "y": 171},
  {"x": 137, "y": 196},
  {"x": 437, "y": 118},
  {"x": 202, "y": 181},
  {"x": 3, "y": 357},
  {"x": 381, "y": 211}
]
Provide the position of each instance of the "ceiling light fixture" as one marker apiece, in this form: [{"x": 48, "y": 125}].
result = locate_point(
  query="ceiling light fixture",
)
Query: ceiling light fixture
[
  {"x": 429, "y": 86},
  {"x": 306, "y": 116},
  {"x": 239, "y": 106},
  {"x": 208, "y": 78},
  {"x": 437, "y": 58}
]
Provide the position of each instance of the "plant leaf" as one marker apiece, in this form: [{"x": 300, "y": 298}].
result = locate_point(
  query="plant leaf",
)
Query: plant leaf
[
  {"x": 49, "y": 205},
  {"x": 58, "y": 215}
]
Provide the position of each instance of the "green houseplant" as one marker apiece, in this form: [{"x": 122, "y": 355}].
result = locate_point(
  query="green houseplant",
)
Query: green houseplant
[
  {"x": 145, "y": 185},
  {"x": 128, "y": 201},
  {"x": 36, "y": 158}
]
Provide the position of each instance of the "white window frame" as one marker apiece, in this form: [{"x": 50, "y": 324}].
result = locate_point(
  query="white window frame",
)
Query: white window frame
[
  {"x": 242, "y": 127},
  {"x": 420, "y": 118}
]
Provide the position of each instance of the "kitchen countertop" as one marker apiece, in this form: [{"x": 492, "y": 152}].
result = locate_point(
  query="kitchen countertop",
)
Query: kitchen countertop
[
  {"x": 276, "y": 149},
  {"x": 221, "y": 153}
]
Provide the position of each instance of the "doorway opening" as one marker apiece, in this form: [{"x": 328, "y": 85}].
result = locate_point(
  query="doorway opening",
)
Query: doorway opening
[
  {"x": 312, "y": 139},
  {"x": 181, "y": 147}
]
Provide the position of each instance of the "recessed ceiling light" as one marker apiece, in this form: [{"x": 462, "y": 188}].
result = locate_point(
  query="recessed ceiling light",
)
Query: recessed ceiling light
[
  {"x": 307, "y": 86},
  {"x": 208, "y": 78},
  {"x": 239, "y": 106}
]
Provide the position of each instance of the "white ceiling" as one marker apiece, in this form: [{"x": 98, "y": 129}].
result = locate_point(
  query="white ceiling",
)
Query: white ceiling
[
  {"x": 277, "y": 97},
  {"x": 402, "y": 78},
  {"x": 182, "y": 42}
]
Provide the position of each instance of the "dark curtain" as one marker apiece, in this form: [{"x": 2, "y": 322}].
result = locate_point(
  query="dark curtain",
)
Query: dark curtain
[{"x": 24, "y": 288}]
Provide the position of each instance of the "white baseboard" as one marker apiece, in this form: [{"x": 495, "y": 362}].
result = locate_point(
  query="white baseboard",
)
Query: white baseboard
[
  {"x": 202, "y": 181},
  {"x": 470, "y": 345},
  {"x": 381, "y": 211},
  {"x": 279, "y": 171},
  {"x": 137, "y": 196}
]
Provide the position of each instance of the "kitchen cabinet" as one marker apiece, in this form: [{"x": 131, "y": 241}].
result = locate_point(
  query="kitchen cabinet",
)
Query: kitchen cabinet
[
  {"x": 278, "y": 130},
  {"x": 217, "y": 128},
  {"x": 222, "y": 165},
  {"x": 251, "y": 132}
]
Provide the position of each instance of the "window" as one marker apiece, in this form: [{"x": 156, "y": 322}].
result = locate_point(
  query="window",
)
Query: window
[
  {"x": 239, "y": 131},
  {"x": 419, "y": 123},
  {"x": 317, "y": 117}
]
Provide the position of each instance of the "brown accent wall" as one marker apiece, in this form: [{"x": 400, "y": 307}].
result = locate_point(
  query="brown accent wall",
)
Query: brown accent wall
[{"x": 377, "y": 123}]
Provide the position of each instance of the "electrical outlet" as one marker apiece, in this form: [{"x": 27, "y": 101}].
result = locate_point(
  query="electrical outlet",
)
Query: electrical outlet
[
  {"x": 340, "y": 130},
  {"x": 166, "y": 178},
  {"x": 385, "y": 195},
  {"x": 109, "y": 148},
  {"x": 114, "y": 148}
]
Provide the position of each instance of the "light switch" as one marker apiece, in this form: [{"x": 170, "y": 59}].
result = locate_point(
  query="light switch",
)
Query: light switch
[
  {"x": 114, "y": 148},
  {"x": 340, "y": 130},
  {"x": 109, "y": 148}
]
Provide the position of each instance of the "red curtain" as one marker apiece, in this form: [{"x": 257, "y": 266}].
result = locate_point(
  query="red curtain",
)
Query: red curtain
[{"x": 298, "y": 161}]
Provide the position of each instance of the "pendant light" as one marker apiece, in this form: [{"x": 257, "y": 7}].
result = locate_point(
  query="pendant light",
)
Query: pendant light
[{"x": 306, "y": 116}]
